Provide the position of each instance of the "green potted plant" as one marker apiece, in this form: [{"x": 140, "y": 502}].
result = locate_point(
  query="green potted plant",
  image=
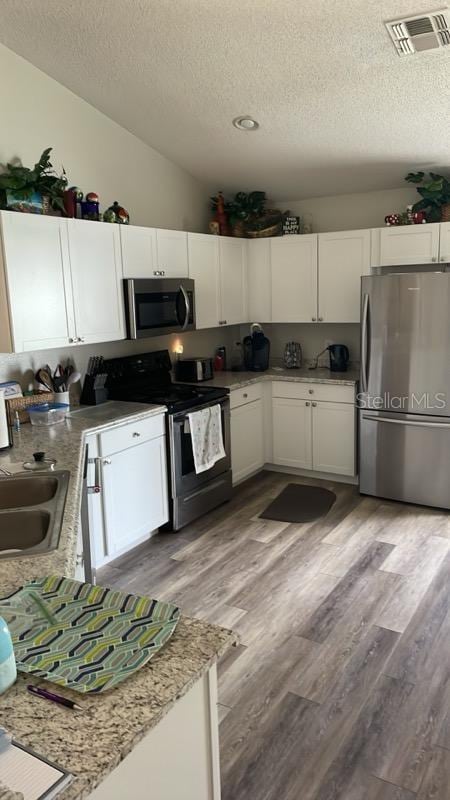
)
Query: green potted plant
[
  {"x": 25, "y": 189},
  {"x": 435, "y": 193},
  {"x": 245, "y": 208}
]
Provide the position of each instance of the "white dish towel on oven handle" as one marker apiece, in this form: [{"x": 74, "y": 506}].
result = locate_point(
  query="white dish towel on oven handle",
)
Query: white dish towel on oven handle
[{"x": 207, "y": 438}]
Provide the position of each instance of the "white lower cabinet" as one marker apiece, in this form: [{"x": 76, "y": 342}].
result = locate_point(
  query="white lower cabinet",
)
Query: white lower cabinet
[
  {"x": 333, "y": 438},
  {"x": 292, "y": 443},
  {"x": 128, "y": 496},
  {"x": 314, "y": 427},
  {"x": 247, "y": 440}
]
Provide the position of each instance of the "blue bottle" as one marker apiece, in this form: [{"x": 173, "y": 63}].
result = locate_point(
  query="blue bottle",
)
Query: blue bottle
[{"x": 8, "y": 671}]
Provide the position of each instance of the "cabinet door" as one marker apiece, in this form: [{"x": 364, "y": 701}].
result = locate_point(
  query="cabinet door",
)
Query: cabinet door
[
  {"x": 38, "y": 280},
  {"x": 138, "y": 251},
  {"x": 203, "y": 253},
  {"x": 409, "y": 244},
  {"x": 294, "y": 278},
  {"x": 292, "y": 446},
  {"x": 247, "y": 440},
  {"x": 97, "y": 281},
  {"x": 333, "y": 435},
  {"x": 233, "y": 283},
  {"x": 172, "y": 253},
  {"x": 444, "y": 249},
  {"x": 134, "y": 483},
  {"x": 343, "y": 258},
  {"x": 259, "y": 280}
]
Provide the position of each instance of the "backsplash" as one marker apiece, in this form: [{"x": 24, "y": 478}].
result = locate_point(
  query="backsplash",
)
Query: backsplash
[
  {"x": 312, "y": 337},
  {"x": 22, "y": 367}
]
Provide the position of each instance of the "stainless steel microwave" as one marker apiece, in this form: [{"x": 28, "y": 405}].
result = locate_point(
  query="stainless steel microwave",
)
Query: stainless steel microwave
[{"x": 156, "y": 306}]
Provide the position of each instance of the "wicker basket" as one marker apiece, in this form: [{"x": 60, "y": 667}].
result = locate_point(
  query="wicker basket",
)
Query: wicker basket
[
  {"x": 274, "y": 230},
  {"x": 20, "y": 404},
  {"x": 445, "y": 213}
]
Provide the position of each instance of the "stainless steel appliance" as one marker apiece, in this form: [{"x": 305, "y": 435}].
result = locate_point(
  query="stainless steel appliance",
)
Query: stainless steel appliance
[
  {"x": 156, "y": 306},
  {"x": 404, "y": 441},
  {"x": 194, "y": 369},
  {"x": 146, "y": 378}
]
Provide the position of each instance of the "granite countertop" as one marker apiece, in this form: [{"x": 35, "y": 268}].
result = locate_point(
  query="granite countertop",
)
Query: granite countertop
[
  {"x": 64, "y": 442},
  {"x": 236, "y": 380},
  {"x": 90, "y": 745}
]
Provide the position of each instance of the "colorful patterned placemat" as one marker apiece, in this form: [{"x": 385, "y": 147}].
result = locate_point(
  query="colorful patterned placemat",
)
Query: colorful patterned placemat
[{"x": 88, "y": 638}]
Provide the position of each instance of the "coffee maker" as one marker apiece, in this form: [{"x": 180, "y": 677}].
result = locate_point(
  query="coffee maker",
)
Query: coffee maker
[{"x": 256, "y": 349}]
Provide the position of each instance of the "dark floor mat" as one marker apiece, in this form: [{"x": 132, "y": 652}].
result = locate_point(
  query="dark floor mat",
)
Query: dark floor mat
[{"x": 299, "y": 503}]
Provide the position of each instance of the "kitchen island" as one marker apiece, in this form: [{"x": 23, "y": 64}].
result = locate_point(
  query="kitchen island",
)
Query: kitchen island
[{"x": 156, "y": 729}]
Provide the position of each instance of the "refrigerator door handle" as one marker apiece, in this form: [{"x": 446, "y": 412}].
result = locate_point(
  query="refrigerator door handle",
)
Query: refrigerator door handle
[
  {"x": 364, "y": 382},
  {"x": 409, "y": 422}
]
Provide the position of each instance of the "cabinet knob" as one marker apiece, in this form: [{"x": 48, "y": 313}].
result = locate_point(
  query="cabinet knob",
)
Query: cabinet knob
[
  {"x": 307, "y": 404},
  {"x": 314, "y": 405},
  {"x": 136, "y": 435},
  {"x": 442, "y": 258},
  {"x": 71, "y": 339},
  {"x": 320, "y": 319},
  {"x": 107, "y": 461},
  {"x": 245, "y": 394},
  {"x": 81, "y": 339},
  {"x": 434, "y": 259},
  {"x": 311, "y": 391},
  {"x": 313, "y": 319}
]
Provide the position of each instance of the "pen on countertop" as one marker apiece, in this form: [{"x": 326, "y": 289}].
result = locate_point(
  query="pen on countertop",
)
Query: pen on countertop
[{"x": 54, "y": 698}]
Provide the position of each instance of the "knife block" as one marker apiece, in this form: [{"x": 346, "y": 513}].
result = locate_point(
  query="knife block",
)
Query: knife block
[{"x": 93, "y": 395}]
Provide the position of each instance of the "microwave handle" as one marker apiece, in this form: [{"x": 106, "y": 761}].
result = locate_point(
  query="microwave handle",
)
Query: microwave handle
[{"x": 187, "y": 307}]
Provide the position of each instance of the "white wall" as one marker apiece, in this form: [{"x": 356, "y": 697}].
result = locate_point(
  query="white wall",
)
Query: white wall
[
  {"x": 97, "y": 154},
  {"x": 195, "y": 343},
  {"x": 312, "y": 337},
  {"x": 351, "y": 211}
]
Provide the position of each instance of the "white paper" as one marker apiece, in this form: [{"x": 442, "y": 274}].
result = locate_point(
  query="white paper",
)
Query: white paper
[{"x": 26, "y": 773}]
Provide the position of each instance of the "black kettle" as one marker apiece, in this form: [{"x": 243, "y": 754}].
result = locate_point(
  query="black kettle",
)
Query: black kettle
[{"x": 339, "y": 357}]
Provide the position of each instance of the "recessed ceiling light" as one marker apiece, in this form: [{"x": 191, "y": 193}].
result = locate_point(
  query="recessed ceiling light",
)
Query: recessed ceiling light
[{"x": 245, "y": 124}]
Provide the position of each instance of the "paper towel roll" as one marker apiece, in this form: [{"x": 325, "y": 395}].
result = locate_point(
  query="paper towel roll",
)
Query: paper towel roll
[{"x": 5, "y": 440}]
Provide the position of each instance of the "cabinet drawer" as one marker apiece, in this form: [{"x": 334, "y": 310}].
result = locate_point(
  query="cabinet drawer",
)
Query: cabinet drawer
[
  {"x": 131, "y": 434},
  {"x": 314, "y": 391},
  {"x": 239, "y": 397}
]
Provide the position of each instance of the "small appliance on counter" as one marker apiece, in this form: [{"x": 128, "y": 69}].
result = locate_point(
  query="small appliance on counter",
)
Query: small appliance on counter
[
  {"x": 256, "y": 349},
  {"x": 220, "y": 359},
  {"x": 339, "y": 357},
  {"x": 292, "y": 358},
  {"x": 194, "y": 370}
]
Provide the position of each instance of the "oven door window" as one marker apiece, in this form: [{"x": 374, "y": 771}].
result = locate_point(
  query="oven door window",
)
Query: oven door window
[{"x": 161, "y": 309}]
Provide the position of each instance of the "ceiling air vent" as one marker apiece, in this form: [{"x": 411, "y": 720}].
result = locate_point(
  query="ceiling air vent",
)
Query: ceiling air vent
[{"x": 417, "y": 34}]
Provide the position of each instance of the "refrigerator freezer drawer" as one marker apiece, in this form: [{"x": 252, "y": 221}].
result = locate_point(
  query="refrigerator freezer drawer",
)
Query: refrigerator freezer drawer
[{"x": 405, "y": 457}]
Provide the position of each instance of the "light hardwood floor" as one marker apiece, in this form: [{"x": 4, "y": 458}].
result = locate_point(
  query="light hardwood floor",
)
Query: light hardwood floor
[{"x": 340, "y": 687}]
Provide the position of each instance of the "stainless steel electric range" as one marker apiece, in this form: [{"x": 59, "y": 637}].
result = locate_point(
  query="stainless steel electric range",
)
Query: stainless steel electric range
[{"x": 147, "y": 378}]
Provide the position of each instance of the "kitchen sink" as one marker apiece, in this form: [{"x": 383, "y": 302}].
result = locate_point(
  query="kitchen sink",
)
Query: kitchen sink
[
  {"x": 30, "y": 490},
  {"x": 31, "y": 513}
]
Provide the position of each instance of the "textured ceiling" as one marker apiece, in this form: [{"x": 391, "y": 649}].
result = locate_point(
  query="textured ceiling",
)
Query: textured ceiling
[{"x": 339, "y": 110}]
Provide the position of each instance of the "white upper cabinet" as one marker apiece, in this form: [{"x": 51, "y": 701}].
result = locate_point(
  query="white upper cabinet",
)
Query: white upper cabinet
[
  {"x": 172, "y": 253},
  {"x": 204, "y": 269},
  {"x": 138, "y": 251},
  {"x": 444, "y": 250},
  {"x": 153, "y": 252},
  {"x": 343, "y": 258},
  {"x": 233, "y": 282},
  {"x": 37, "y": 272},
  {"x": 294, "y": 278},
  {"x": 96, "y": 271},
  {"x": 408, "y": 244},
  {"x": 259, "y": 281}
]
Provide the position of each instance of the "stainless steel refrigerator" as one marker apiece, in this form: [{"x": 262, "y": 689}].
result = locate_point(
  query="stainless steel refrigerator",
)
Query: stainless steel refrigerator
[{"x": 404, "y": 401}]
